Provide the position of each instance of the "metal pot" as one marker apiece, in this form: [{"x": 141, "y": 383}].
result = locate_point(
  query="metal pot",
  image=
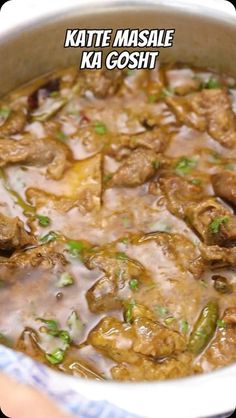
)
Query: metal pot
[{"x": 204, "y": 36}]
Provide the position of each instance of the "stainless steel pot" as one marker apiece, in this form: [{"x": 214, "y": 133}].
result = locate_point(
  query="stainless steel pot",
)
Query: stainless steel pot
[{"x": 204, "y": 36}]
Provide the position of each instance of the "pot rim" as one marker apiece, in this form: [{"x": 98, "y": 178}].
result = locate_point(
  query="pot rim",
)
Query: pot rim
[{"x": 53, "y": 13}]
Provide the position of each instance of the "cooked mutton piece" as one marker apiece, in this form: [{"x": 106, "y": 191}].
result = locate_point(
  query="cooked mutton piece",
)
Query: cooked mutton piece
[
  {"x": 102, "y": 83},
  {"x": 14, "y": 123},
  {"x": 104, "y": 295},
  {"x": 208, "y": 110},
  {"x": 224, "y": 185},
  {"x": 213, "y": 222},
  {"x": 146, "y": 369},
  {"x": 180, "y": 194},
  {"x": 136, "y": 169},
  {"x": 127, "y": 342},
  {"x": 13, "y": 235},
  {"x": 39, "y": 152}
]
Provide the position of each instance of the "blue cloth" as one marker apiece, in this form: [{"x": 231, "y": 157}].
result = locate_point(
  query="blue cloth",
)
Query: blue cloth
[{"x": 27, "y": 371}]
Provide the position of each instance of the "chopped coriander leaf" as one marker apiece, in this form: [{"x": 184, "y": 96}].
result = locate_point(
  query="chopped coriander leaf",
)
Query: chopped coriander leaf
[
  {"x": 185, "y": 165},
  {"x": 51, "y": 323},
  {"x": 50, "y": 237},
  {"x": 196, "y": 182},
  {"x": 74, "y": 247},
  {"x": 54, "y": 94},
  {"x": 133, "y": 284},
  {"x": 61, "y": 136},
  {"x": 54, "y": 331},
  {"x": 215, "y": 225},
  {"x": 129, "y": 72},
  {"x": 56, "y": 357},
  {"x": 65, "y": 337},
  {"x": 156, "y": 164},
  {"x": 128, "y": 313},
  {"x": 162, "y": 310},
  {"x": 221, "y": 324},
  {"x": 121, "y": 255},
  {"x": 107, "y": 177},
  {"x": 212, "y": 83},
  {"x": 43, "y": 220},
  {"x": 100, "y": 128},
  {"x": 66, "y": 279},
  {"x": 165, "y": 92},
  {"x": 152, "y": 98},
  {"x": 184, "y": 326},
  {"x": 170, "y": 320},
  {"x": 5, "y": 112},
  {"x": 125, "y": 240}
]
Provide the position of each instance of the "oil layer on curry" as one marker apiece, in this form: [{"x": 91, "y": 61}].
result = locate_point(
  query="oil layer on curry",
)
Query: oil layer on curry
[{"x": 117, "y": 223}]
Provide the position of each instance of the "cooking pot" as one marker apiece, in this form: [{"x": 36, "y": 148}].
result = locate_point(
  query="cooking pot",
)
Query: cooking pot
[{"x": 205, "y": 36}]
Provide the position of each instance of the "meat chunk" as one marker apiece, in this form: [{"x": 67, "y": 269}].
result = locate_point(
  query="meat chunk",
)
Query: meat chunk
[
  {"x": 136, "y": 169},
  {"x": 102, "y": 83},
  {"x": 153, "y": 339},
  {"x": 217, "y": 256},
  {"x": 209, "y": 110},
  {"x": 149, "y": 370},
  {"x": 45, "y": 256},
  {"x": 224, "y": 185},
  {"x": 140, "y": 311},
  {"x": 180, "y": 249},
  {"x": 39, "y": 152},
  {"x": 179, "y": 194},
  {"x": 111, "y": 262},
  {"x": 125, "y": 343},
  {"x": 114, "y": 339},
  {"x": 14, "y": 123},
  {"x": 213, "y": 222},
  {"x": 187, "y": 110},
  {"x": 222, "y": 351},
  {"x": 104, "y": 295},
  {"x": 13, "y": 235},
  {"x": 155, "y": 139}
]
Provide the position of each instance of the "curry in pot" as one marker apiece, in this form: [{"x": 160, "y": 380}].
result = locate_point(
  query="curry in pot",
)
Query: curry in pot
[{"x": 117, "y": 222}]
